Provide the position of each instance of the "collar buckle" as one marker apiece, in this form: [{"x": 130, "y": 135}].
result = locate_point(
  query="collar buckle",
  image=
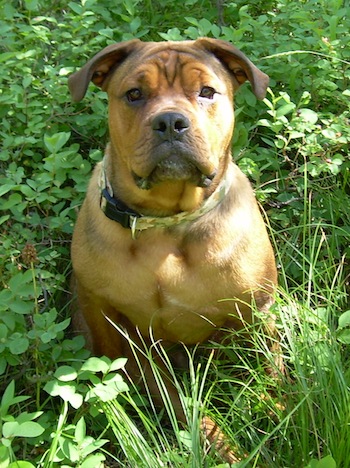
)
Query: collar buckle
[{"x": 116, "y": 210}]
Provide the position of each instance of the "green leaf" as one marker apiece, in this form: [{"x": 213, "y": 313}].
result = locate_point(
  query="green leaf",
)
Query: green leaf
[
  {"x": 205, "y": 26},
  {"x": 3, "y": 365},
  {"x": 65, "y": 391},
  {"x": 55, "y": 142},
  {"x": 19, "y": 344},
  {"x": 94, "y": 461},
  {"x": 31, "y": 5},
  {"x": 76, "y": 400},
  {"x": 9, "y": 398},
  {"x": 20, "y": 464},
  {"x": 118, "y": 364},
  {"x": 95, "y": 364},
  {"x": 186, "y": 439},
  {"x": 53, "y": 387},
  {"x": 6, "y": 188},
  {"x": 265, "y": 122},
  {"x": 24, "y": 417},
  {"x": 4, "y": 457},
  {"x": 308, "y": 115},
  {"x": 26, "y": 429},
  {"x": 326, "y": 462},
  {"x": 285, "y": 109},
  {"x": 104, "y": 392},
  {"x": 343, "y": 336},
  {"x": 69, "y": 450},
  {"x": 344, "y": 320},
  {"x": 66, "y": 373},
  {"x": 93, "y": 446},
  {"x": 80, "y": 430},
  {"x": 3, "y": 331},
  {"x": 20, "y": 281},
  {"x": 3, "y": 219},
  {"x": 21, "y": 307}
]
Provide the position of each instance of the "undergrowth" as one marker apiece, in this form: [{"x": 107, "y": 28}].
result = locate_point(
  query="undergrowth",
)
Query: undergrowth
[{"x": 60, "y": 406}]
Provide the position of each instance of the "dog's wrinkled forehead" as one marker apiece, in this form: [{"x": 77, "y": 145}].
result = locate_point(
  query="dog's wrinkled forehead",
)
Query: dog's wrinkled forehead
[
  {"x": 167, "y": 62},
  {"x": 169, "y": 67},
  {"x": 217, "y": 53}
]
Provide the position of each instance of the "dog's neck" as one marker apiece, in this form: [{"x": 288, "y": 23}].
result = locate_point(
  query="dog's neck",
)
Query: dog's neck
[{"x": 116, "y": 210}]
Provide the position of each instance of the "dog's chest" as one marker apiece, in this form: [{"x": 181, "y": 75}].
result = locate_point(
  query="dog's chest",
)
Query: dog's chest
[{"x": 174, "y": 289}]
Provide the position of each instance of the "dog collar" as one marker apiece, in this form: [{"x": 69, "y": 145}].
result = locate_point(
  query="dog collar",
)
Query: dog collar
[{"x": 118, "y": 211}]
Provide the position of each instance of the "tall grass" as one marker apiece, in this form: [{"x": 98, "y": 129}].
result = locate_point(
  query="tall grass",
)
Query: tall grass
[{"x": 298, "y": 419}]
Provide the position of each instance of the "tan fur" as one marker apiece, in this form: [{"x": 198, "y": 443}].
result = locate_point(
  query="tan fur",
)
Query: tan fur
[{"x": 171, "y": 281}]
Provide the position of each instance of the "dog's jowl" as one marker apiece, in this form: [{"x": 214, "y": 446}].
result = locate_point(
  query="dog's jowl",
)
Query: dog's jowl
[{"x": 169, "y": 227}]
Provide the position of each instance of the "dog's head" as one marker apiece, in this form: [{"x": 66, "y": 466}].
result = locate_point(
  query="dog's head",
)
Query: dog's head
[{"x": 170, "y": 111}]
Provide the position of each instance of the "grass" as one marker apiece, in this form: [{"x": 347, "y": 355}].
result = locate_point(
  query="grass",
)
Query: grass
[
  {"x": 302, "y": 416},
  {"x": 298, "y": 157}
]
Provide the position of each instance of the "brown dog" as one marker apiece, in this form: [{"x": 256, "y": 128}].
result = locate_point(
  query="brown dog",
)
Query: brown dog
[{"x": 170, "y": 226}]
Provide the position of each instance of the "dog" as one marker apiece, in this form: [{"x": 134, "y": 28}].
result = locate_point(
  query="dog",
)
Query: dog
[{"x": 170, "y": 226}]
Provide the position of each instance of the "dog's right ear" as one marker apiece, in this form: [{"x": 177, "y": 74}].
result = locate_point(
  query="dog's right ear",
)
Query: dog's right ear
[{"x": 97, "y": 69}]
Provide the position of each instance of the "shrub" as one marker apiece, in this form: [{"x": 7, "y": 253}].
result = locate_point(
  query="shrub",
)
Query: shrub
[{"x": 294, "y": 147}]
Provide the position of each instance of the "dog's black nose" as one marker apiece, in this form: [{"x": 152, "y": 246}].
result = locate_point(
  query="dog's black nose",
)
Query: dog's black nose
[{"x": 170, "y": 126}]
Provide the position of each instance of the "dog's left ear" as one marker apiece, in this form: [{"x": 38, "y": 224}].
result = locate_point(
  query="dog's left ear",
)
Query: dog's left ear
[
  {"x": 97, "y": 69},
  {"x": 241, "y": 68}
]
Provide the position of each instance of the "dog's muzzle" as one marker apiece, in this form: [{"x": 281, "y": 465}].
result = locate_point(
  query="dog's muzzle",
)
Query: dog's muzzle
[
  {"x": 175, "y": 168},
  {"x": 173, "y": 159}
]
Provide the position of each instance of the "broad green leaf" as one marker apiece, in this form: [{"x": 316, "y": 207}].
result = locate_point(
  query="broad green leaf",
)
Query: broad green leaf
[
  {"x": 8, "y": 396},
  {"x": 343, "y": 335},
  {"x": 19, "y": 344},
  {"x": 285, "y": 109},
  {"x": 76, "y": 400},
  {"x": 21, "y": 307},
  {"x": 6, "y": 188},
  {"x": 31, "y": 5},
  {"x": 26, "y": 429},
  {"x": 21, "y": 280},
  {"x": 66, "y": 373},
  {"x": 105, "y": 392},
  {"x": 3, "y": 219},
  {"x": 55, "y": 142},
  {"x": 118, "y": 364},
  {"x": 24, "y": 417},
  {"x": 95, "y": 364},
  {"x": 65, "y": 391},
  {"x": 55, "y": 388},
  {"x": 326, "y": 462},
  {"x": 308, "y": 115},
  {"x": 344, "y": 320},
  {"x": 94, "y": 461}
]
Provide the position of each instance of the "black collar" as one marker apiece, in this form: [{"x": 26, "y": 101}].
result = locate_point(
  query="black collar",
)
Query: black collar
[{"x": 116, "y": 210}]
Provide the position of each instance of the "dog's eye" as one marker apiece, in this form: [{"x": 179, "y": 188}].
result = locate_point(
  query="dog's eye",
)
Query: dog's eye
[
  {"x": 134, "y": 94},
  {"x": 207, "y": 92}
]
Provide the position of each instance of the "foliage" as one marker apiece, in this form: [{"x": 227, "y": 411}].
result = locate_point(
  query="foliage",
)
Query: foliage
[{"x": 294, "y": 146}]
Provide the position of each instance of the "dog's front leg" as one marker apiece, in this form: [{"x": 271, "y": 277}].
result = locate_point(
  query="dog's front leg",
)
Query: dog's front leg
[{"x": 89, "y": 319}]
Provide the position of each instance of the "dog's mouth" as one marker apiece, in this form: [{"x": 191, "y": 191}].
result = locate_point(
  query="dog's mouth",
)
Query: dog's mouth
[{"x": 176, "y": 168}]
